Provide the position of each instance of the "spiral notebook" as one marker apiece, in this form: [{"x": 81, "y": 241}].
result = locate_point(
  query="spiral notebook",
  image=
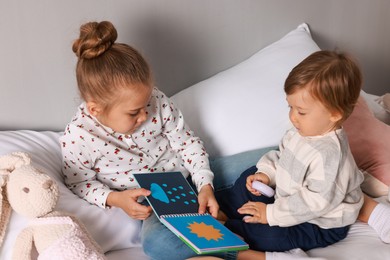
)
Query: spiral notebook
[{"x": 176, "y": 205}]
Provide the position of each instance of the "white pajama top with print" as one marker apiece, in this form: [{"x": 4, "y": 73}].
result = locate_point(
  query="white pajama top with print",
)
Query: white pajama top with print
[{"x": 96, "y": 159}]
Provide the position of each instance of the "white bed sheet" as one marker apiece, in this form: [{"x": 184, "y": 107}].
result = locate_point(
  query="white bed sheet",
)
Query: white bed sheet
[
  {"x": 112, "y": 227},
  {"x": 362, "y": 243}
]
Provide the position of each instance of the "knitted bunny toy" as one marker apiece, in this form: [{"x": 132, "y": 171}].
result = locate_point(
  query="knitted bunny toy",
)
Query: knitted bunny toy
[{"x": 33, "y": 194}]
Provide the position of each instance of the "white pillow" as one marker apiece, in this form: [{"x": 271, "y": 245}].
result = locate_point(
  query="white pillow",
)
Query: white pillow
[
  {"x": 374, "y": 103},
  {"x": 244, "y": 108},
  {"x": 111, "y": 228}
]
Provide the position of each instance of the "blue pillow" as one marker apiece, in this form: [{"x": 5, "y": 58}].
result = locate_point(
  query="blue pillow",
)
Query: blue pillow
[{"x": 228, "y": 168}]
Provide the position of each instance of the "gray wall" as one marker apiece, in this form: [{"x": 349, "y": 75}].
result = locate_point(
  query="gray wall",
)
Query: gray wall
[{"x": 185, "y": 41}]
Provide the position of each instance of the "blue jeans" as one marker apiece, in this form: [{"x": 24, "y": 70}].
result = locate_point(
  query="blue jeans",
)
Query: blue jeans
[
  {"x": 159, "y": 243},
  {"x": 262, "y": 237}
]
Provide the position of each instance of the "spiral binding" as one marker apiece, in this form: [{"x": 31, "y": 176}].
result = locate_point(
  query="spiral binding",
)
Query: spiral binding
[{"x": 184, "y": 214}]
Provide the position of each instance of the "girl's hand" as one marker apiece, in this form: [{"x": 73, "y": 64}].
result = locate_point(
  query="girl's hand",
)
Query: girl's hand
[
  {"x": 256, "y": 211},
  {"x": 256, "y": 177},
  {"x": 127, "y": 201},
  {"x": 207, "y": 201}
]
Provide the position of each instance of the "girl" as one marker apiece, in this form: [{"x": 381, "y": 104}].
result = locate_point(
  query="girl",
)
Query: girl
[{"x": 126, "y": 125}]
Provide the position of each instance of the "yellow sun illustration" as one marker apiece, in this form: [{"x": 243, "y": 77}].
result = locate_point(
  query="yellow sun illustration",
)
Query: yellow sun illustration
[{"x": 205, "y": 231}]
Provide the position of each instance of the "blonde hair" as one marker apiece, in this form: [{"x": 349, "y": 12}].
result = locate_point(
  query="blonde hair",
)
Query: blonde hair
[
  {"x": 330, "y": 77},
  {"x": 103, "y": 66}
]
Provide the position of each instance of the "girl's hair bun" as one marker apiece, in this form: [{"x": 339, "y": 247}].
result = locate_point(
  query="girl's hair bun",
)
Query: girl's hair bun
[{"x": 95, "y": 38}]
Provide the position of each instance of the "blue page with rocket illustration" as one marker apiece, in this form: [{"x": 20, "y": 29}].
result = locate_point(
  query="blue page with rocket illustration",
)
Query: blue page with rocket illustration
[{"x": 175, "y": 203}]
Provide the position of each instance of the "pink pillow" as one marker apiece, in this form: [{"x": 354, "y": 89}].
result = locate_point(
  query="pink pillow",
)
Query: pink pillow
[{"x": 369, "y": 139}]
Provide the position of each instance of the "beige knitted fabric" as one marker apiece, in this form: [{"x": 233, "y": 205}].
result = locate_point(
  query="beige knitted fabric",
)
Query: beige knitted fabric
[{"x": 4, "y": 214}]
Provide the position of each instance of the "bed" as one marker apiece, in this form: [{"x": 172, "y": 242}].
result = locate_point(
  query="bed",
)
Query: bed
[{"x": 245, "y": 101}]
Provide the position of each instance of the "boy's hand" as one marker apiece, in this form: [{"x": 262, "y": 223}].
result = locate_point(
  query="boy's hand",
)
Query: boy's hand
[
  {"x": 257, "y": 212},
  {"x": 127, "y": 201},
  {"x": 207, "y": 201},
  {"x": 256, "y": 177}
]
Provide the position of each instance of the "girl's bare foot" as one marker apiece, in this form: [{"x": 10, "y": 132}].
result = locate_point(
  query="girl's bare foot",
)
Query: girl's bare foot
[
  {"x": 221, "y": 217},
  {"x": 250, "y": 255}
]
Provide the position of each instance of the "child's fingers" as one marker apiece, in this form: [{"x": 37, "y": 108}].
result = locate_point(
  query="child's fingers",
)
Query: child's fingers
[
  {"x": 251, "y": 190},
  {"x": 214, "y": 210},
  {"x": 138, "y": 211},
  {"x": 202, "y": 207},
  {"x": 141, "y": 215},
  {"x": 249, "y": 180},
  {"x": 257, "y": 210},
  {"x": 250, "y": 208},
  {"x": 140, "y": 192},
  {"x": 251, "y": 219}
]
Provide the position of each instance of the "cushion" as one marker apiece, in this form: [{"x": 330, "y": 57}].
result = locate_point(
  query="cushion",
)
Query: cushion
[
  {"x": 227, "y": 169},
  {"x": 385, "y": 101},
  {"x": 244, "y": 108},
  {"x": 111, "y": 228},
  {"x": 377, "y": 106},
  {"x": 369, "y": 139}
]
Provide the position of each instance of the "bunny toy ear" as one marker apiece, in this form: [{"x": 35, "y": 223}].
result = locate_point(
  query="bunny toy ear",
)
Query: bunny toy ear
[
  {"x": 5, "y": 207},
  {"x": 14, "y": 160}
]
